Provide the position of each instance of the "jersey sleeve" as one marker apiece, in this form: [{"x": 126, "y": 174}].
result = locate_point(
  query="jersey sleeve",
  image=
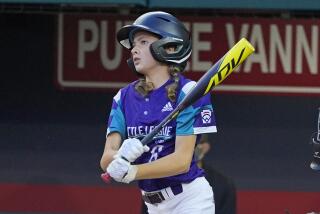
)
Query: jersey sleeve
[
  {"x": 198, "y": 118},
  {"x": 116, "y": 122}
]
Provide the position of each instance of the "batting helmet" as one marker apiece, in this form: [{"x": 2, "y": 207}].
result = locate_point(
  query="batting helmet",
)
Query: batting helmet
[{"x": 171, "y": 32}]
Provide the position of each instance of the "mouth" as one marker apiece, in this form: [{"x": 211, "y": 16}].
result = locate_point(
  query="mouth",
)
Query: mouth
[{"x": 136, "y": 60}]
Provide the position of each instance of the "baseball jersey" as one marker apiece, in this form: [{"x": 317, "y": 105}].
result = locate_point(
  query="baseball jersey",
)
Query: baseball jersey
[{"x": 134, "y": 116}]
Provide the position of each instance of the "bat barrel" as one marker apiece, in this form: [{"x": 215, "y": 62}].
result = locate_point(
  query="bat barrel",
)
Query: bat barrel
[
  {"x": 219, "y": 71},
  {"x": 227, "y": 64}
]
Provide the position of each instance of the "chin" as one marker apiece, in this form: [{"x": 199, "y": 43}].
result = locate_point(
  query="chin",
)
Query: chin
[{"x": 140, "y": 71}]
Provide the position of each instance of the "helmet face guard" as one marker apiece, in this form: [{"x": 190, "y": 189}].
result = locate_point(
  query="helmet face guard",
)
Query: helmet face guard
[{"x": 171, "y": 33}]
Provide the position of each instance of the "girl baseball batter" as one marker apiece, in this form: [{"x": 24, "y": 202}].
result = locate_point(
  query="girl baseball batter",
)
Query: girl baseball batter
[{"x": 166, "y": 170}]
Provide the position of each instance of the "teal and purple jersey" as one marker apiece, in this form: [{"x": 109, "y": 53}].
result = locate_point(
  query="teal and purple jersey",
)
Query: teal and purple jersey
[{"x": 134, "y": 116}]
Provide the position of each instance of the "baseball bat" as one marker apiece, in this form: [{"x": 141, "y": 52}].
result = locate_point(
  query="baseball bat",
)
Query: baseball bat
[{"x": 213, "y": 77}]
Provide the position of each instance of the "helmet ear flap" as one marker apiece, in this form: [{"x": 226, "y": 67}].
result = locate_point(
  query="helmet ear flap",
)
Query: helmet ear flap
[
  {"x": 178, "y": 57},
  {"x": 157, "y": 51},
  {"x": 133, "y": 68}
]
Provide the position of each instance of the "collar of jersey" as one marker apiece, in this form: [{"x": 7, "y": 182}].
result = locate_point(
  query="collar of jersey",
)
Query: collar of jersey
[{"x": 169, "y": 81}]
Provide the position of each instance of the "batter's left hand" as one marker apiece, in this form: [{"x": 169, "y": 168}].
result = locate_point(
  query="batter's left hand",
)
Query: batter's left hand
[
  {"x": 121, "y": 170},
  {"x": 131, "y": 149}
]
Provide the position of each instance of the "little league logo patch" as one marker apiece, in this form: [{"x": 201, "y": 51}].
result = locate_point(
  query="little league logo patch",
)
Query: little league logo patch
[{"x": 206, "y": 116}]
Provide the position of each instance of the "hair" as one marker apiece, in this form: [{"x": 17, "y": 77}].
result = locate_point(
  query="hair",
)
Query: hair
[
  {"x": 143, "y": 87},
  {"x": 172, "y": 88}
]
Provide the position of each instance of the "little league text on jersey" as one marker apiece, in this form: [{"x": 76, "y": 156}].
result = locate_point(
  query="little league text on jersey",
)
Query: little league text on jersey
[{"x": 144, "y": 130}]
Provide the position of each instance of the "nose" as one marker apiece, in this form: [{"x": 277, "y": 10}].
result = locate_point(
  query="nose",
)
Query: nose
[{"x": 134, "y": 50}]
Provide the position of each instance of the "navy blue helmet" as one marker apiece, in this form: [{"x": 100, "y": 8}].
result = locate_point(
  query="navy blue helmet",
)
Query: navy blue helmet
[{"x": 169, "y": 29}]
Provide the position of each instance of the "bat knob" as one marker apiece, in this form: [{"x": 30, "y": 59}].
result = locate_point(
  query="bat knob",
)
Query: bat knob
[{"x": 106, "y": 177}]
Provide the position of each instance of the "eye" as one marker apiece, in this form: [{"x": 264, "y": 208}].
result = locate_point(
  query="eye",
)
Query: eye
[{"x": 144, "y": 42}]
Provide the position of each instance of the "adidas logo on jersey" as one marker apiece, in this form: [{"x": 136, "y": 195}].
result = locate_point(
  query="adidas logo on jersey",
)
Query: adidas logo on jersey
[{"x": 167, "y": 107}]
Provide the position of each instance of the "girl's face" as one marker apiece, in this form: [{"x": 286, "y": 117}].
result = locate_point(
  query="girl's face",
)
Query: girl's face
[{"x": 141, "y": 55}]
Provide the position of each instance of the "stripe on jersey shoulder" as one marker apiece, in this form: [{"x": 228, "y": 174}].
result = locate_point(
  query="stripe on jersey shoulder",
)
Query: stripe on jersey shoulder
[
  {"x": 203, "y": 130},
  {"x": 108, "y": 132},
  {"x": 117, "y": 96},
  {"x": 187, "y": 87}
]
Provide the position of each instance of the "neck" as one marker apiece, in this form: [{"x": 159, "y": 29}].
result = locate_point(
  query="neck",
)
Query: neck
[{"x": 158, "y": 77}]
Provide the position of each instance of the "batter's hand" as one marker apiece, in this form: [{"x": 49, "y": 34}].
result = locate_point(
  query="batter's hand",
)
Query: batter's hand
[
  {"x": 131, "y": 149},
  {"x": 121, "y": 170}
]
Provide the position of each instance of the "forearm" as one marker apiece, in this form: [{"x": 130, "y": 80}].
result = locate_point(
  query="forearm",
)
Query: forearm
[
  {"x": 112, "y": 145},
  {"x": 174, "y": 164},
  {"x": 169, "y": 165},
  {"x": 106, "y": 158}
]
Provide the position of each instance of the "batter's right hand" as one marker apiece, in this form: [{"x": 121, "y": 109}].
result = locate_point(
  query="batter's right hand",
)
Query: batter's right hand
[
  {"x": 121, "y": 170},
  {"x": 131, "y": 149}
]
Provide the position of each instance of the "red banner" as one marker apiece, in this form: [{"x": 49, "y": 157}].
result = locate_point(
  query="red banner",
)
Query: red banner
[
  {"x": 278, "y": 202},
  {"x": 69, "y": 199},
  {"x": 286, "y": 59},
  {"x": 76, "y": 199}
]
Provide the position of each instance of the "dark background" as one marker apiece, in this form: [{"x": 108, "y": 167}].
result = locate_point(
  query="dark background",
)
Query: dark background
[{"x": 53, "y": 136}]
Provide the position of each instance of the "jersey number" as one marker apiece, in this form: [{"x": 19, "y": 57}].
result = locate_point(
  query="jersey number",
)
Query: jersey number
[{"x": 154, "y": 152}]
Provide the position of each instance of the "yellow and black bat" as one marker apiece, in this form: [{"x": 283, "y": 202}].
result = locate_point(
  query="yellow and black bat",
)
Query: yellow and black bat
[{"x": 213, "y": 77}]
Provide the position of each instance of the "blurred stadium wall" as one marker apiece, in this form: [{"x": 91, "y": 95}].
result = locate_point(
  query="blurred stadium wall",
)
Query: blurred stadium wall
[{"x": 57, "y": 91}]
